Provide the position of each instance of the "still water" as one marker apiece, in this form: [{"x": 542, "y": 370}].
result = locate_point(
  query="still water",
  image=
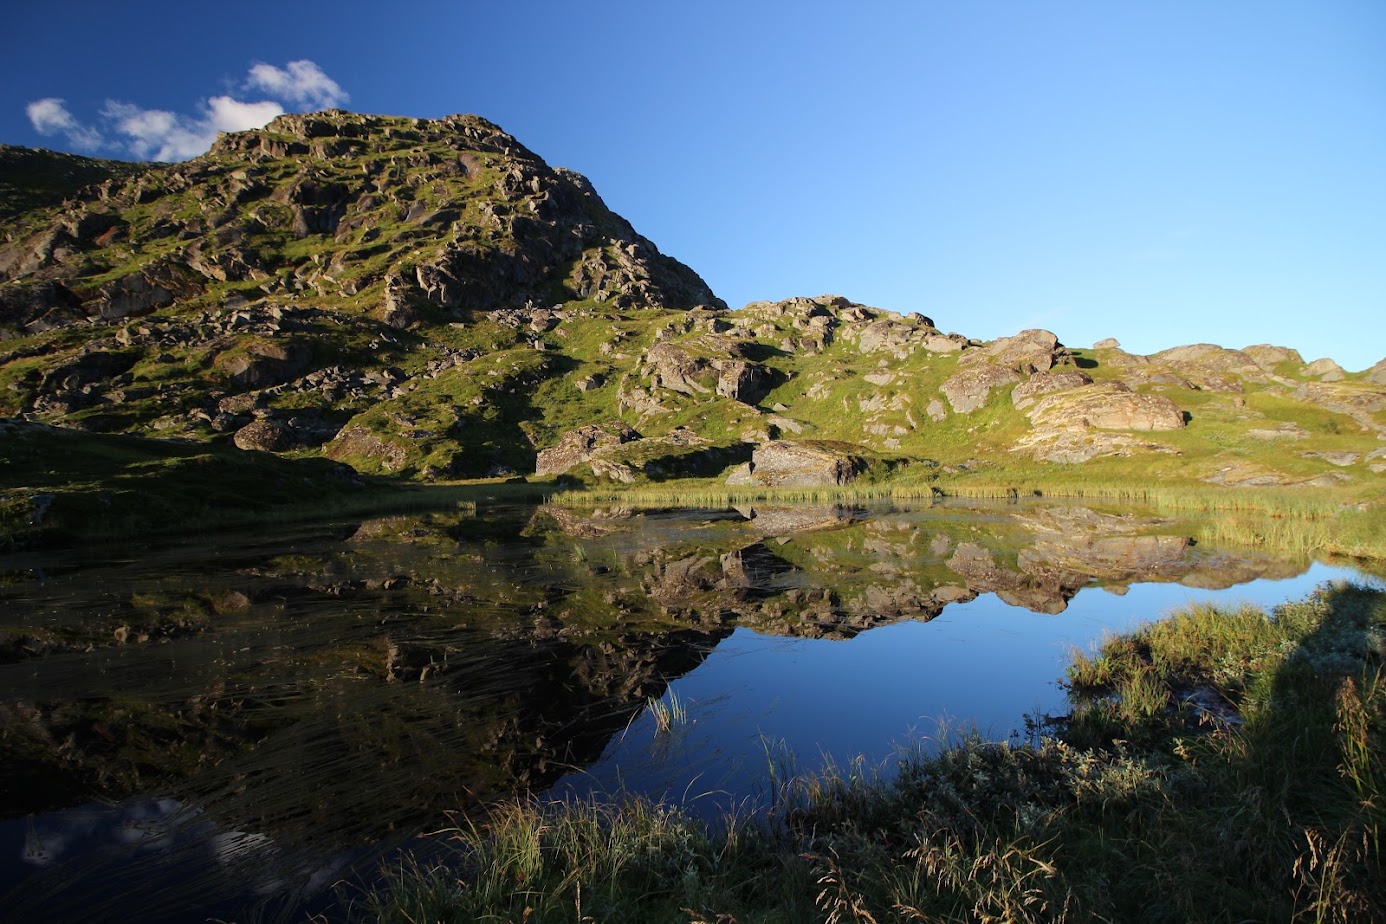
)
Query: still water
[{"x": 234, "y": 725}]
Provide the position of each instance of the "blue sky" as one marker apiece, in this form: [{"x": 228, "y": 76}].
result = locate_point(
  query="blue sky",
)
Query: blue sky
[{"x": 1163, "y": 173}]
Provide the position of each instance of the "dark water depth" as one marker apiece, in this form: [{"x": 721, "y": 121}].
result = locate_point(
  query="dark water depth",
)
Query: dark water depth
[{"x": 231, "y": 726}]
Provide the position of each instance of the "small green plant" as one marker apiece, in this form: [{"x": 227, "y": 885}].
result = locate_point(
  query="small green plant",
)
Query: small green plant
[{"x": 668, "y": 712}]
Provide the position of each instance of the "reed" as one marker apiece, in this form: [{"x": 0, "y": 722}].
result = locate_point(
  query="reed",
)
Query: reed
[{"x": 668, "y": 712}]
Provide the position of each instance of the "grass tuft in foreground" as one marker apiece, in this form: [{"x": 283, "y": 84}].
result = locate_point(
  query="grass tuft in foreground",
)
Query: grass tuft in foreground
[{"x": 1217, "y": 766}]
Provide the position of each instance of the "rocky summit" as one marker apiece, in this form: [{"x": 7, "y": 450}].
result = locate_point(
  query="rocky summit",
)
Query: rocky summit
[{"x": 429, "y": 299}]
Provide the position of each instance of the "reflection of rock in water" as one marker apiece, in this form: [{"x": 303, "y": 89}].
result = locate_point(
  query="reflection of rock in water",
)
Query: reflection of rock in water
[
  {"x": 978, "y": 568},
  {"x": 590, "y": 523},
  {"x": 778, "y": 521}
]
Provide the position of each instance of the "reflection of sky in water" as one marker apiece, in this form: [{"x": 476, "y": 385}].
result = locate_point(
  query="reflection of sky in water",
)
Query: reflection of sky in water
[{"x": 980, "y": 664}]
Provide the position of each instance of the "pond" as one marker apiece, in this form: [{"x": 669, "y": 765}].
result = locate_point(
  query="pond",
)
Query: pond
[{"x": 194, "y": 728}]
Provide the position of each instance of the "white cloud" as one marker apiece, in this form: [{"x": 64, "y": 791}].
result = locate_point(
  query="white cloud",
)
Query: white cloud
[
  {"x": 300, "y": 82},
  {"x": 162, "y": 135},
  {"x": 158, "y": 134},
  {"x": 49, "y": 116},
  {"x": 231, "y": 115}
]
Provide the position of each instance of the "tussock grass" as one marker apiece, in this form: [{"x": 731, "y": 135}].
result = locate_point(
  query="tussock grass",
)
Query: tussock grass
[
  {"x": 1147, "y": 803},
  {"x": 668, "y": 713}
]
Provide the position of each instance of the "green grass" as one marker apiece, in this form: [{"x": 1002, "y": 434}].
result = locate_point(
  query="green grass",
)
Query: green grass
[{"x": 1140, "y": 808}]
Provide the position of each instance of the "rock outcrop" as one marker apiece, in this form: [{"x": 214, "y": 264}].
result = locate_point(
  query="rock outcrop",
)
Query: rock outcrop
[
  {"x": 799, "y": 464},
  {"x": 578, "y": 446},
  {"x": 1108, "y": 407}
]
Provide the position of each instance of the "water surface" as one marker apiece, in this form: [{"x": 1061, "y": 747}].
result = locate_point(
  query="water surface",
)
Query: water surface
[{"x": 189, "y": 728}]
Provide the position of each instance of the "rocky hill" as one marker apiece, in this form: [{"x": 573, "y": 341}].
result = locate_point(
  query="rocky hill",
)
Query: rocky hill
[{"x": 429, "y": 299}]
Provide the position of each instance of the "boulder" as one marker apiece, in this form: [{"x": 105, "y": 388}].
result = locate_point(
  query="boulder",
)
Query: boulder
[
  {"x": 969, "y": 388},
  {"x": 743, "y": 381},
  {"x": 1268, "y": 356},
  {"x": 262, "y": 365},
  {"x": 893, "y": 335},
  {"x": 1108, "y": 343},
  {"x": 1377, "y": 374},
  {"x": 799, "y": 464},
  {"x": 1325, "y": 370},
  {"x": 1026, "y": 393},
  {"x": 1107, "y": 407},
  {"x": 578, "y": 446},
  {"x": 1028, "y": 352},
  {"x": 263, "y": 435},
  {"x": 706, "y": 364}
]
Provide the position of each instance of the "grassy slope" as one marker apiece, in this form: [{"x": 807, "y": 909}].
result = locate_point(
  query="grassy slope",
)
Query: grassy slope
[{"x": 34, "y": 179}]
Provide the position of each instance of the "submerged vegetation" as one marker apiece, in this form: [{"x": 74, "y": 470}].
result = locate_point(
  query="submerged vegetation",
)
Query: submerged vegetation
[{"x": 1217, "y": 766}]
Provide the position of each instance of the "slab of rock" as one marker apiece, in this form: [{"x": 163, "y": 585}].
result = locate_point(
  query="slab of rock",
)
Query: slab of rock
[
  {"x": 1026, "y": 393},
  {"x": 139, "y": 294},
  {"x": 34, "y": 307},
  {"x": 1351, "y": 398},
  {"x": 799, "y": 464},
  {"x": 1207, "y": 357},
  {"x": 1268, "y": 356},
  {"x": 578, "y": 446},
  {"x": 1377, "y": 374},
  {"x": 969, "y": 388},
  {"x": 779, "y": 521},
  {"x": 1286, "y": 431},
  {"x": 743, "y": 381},
  {"x": 1108, "y": 343},
  {"x": 1073, "y": 445},
  {"x": 1325, "y": 370},
  {"x": 1107, "y": 407},
  {"x": 1340, "y": 459},
  {"x": 1247, "y": 475}
]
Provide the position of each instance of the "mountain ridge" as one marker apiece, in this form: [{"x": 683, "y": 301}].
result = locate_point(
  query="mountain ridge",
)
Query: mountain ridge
[{"x": 429, "y": 299}]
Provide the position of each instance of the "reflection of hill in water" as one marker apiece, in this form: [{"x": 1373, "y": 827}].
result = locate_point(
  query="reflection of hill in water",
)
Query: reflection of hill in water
[
  {"x": 337, "y": 688},
  {"x": 833, "y": 571}
]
